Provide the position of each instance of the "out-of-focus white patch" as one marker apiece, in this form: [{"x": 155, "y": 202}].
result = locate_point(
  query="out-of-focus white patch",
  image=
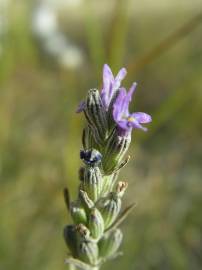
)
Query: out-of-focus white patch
[
  {"x": 44, "y": 21},
  {"x": 54, "y": 42},
  {"x": 65, "y": 3},
  {"x": 71, "y": 58}
]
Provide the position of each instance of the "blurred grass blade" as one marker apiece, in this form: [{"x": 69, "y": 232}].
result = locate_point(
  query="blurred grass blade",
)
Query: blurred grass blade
[
  {"x": 118, "y": 33},
  {"x": 175, "y": 102},
  {"x": 165, "y": 44},
  {"x": 94, "y": 37}
]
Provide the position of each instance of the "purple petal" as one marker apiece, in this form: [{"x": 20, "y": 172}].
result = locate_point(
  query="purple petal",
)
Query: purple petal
[
  {"x": 136, "y": 124},
  {"x": 142, "y": 118},
  {"x": 121, "y": 74},
  {"x": 119, "y": 77},
  {"x": 124, "y": 124},
  {"x": 127, "y": 99},
  {"x": 104, "y": 98},
  {"x": 108, "y": 78},
  {"x": 121, "y": 115},
  {"x": 81, "y": 106},
  {"x": 110, "y": 84},
  {"x": 131, "y": 91},
  {"x": 107, "y": 73},
  {"x": 119, "y": 107}
]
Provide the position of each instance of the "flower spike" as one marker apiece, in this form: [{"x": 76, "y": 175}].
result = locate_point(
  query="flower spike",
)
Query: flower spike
[{"x": 94, "y": 236}]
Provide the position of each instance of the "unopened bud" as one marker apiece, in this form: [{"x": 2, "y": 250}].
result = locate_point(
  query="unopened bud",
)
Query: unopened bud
[
  {"x": 88, "y": 140},
  {"x": 96, "y": 115},
  {"x": 116, "y": 148},
  {"x": 82, "y": 232},
  {"x": 93, "y": 182},
  {"x": 109, "y": 208},
  {"x": 96, "y": 224},
  {"x": 91, "y": 157},
  {"x": 121, "y": 188},
  {"x": 110, "y": 243},
  {"x": 78, "y": 213},
  {"x": 85, "y": 200},
  {"x": 88, "y": 252}
]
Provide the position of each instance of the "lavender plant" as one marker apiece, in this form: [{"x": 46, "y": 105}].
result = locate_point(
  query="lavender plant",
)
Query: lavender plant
[{"x": 95, "y": 237}]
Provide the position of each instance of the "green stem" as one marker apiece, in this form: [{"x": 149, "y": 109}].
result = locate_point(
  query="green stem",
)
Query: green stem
[{"x": 72, "y": 267}]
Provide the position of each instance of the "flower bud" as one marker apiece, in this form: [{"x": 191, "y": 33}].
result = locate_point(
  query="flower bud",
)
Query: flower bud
[
  {"x": 93, "y": 182},
  {"x": 88, "y": 252},
  {"x": 121, "y": 188},
  {"x": 116, "y": 148},
  {"x": 85, "y": 200},
  {"x": 96, "y": 223},
  {"x": 109, "y": 208},
  {"x": 110, "y": 243},
  {"x": 96, "y": 115},
  {"x": 88, "y": 140},
  {"x": 78, "y": 213},
  {"x": 91, "y": 157},
  {"x": 82, "y": 231},
  {"x": 70, "y": 237}
]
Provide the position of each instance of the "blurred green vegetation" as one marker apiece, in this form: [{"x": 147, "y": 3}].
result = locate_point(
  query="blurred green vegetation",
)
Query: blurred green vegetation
[{"x": 40, "y": 132}]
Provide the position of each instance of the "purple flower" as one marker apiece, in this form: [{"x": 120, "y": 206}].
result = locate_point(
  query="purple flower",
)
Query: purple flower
[
  {"x": 127, "y": 121},
  {"x": 110, "y": 84}
]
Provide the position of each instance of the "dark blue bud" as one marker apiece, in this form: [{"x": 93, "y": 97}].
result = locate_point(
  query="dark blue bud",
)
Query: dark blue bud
[{"x": 91, "y": 157}]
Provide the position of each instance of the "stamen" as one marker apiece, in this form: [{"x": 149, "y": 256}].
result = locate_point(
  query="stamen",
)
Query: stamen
[{"x": 131, "y": 119}]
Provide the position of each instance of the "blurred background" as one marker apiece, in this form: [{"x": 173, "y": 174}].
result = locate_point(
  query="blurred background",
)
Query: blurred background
[{"x": 51, "y": 53}]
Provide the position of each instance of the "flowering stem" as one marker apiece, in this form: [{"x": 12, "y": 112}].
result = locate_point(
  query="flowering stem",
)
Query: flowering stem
[{"x": 94, "y": 238}]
